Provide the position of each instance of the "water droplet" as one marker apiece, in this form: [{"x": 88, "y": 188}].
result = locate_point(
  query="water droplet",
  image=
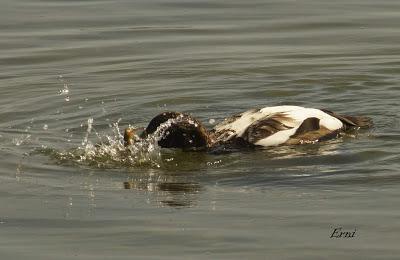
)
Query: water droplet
[
  {"x": 45, "y": 127},
  {"x": 213, "y": 205},
  {"x": 211, "y": 121},
  {"x": 21, "y": 140},
  {"x": 67, "y": 98}
]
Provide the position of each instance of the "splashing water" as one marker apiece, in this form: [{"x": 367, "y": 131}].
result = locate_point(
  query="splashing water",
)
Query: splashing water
[
  {"x": 110, "y": 150},
  {"x": 21, "y": 140},
  {"x": 65, "y": 90}
]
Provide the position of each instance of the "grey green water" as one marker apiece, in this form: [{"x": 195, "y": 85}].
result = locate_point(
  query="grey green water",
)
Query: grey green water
[{"x": 63, "y": 63}]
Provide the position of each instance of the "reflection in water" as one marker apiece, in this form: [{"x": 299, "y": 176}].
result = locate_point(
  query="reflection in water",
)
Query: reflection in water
[
  {"x": 167, "y": 190},
  {"x": 317, "y": 149}
]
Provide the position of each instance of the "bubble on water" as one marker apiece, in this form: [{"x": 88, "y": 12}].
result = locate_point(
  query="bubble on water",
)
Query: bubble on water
[
  {"x": 211, "y": 121},
  {"x": 214, "y": 163},
  {"x": 64, "y": 90},
  {"x": 45, "y": 127}
]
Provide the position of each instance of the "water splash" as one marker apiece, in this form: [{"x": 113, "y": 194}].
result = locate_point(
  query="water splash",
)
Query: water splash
[
  {"x": 25, "y": 138},
  {"x": 109, "y": 150},
  {"x": 65, "y": 90},
  {"x": 85, "y": 140}
]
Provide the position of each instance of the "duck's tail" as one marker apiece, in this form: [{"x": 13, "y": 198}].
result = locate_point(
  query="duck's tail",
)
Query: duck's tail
[{"x": 351, "y": 122}]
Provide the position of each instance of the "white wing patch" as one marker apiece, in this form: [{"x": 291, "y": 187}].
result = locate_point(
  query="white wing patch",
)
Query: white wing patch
[
  {"x": 277, "y": 138},
  {"x": 239, "y": 125},
  {"x": 293, "y": 117}
]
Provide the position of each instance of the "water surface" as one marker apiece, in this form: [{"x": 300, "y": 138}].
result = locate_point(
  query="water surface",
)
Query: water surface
[{"x": 121, "y": 62}]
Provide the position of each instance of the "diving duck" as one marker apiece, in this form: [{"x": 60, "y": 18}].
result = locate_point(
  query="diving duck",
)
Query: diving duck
[{"x": 268, "y": 126}]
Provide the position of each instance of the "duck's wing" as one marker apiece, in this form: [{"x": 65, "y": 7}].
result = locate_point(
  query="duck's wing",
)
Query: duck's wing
[
  {"x": 234, "y": 126},
  {"x": 273, "y": 126},
  {"x": 307, "y": 130},
  {"x": 351, "y": 121},
  {"x": 309, "y": 125},
  {"x": 266, "y": 127},
  {"x": 311, "y": 131},
  {"x": 256, "y": 124}
]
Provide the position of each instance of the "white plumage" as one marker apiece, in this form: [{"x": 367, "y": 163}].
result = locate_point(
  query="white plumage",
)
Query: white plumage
[{"x": 279, "y": 123}]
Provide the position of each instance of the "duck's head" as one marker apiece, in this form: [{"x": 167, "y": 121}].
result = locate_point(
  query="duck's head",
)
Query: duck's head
[{"x": 185, "y": 132}]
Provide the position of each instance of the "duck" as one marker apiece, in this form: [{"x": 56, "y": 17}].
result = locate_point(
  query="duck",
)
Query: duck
[
  {"x": 260, "y": 127},
  {"x": 174, "y": 130}
]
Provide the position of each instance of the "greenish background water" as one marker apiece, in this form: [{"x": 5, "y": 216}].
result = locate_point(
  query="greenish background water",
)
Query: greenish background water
[{"x": 63, "y": 62}]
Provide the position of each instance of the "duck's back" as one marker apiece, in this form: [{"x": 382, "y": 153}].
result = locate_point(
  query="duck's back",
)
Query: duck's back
[{"x": 271, "y": 126}]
